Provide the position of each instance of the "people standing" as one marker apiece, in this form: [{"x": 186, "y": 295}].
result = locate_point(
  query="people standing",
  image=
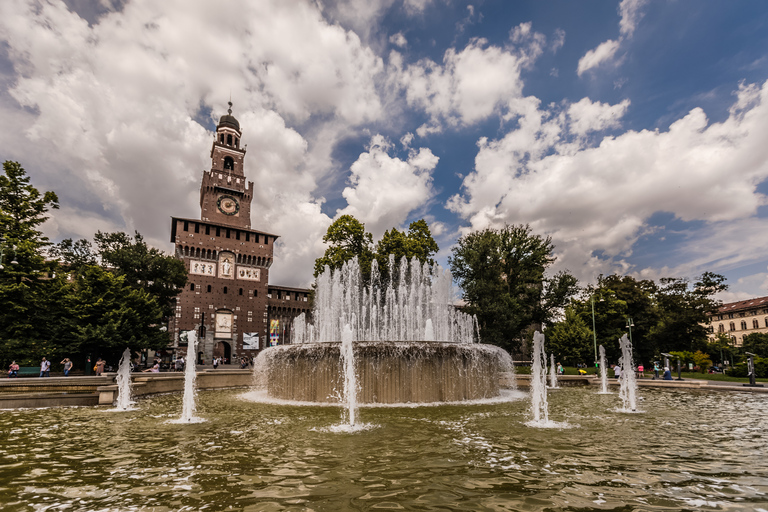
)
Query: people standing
[
  {"x": 45, "y": 368},
  {"x": 13, "y": 370},
  {"x": 215, "y": 362},
  {"x": 656, "y": 370},
  {"x": 67, "y": 366},
  {"x": 617, "y": 371},
  {"x": 100, "y": 363}
]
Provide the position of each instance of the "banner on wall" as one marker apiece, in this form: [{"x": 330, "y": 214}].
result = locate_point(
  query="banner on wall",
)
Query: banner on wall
[
  {"x": 251, "y": 341},
  {"x": 274, "y": 332}
]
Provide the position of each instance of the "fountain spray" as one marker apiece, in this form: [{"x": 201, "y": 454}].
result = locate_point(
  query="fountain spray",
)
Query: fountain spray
[
  {"x": 124, "y": 381},
  {"x": 627, "y": 380},
  {"x": 350, "y": 377},
  {"x": 603, "y": 372},
  {"x": 539, "y": 406},
  {"x": 190, "y": 377},
  {"x": 552, "y": 372}
]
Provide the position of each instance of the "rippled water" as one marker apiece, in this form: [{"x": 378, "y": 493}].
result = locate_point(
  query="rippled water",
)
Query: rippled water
[{"x": 688, "y": 451}]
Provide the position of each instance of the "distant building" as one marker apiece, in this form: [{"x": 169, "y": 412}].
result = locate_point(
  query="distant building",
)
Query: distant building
[
  {"x": 738, "y": 319},
  {"x": 228, "y": 300}
]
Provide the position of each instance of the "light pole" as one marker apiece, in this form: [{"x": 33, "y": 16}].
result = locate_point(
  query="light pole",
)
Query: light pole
[
  {"x": 3, "y": 248},
  {"x": 594, "y": 331},
  {"x": 630, "y": 325}
]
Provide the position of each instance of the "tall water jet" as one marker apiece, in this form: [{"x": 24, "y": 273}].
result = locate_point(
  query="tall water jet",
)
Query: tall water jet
[
  {"x": 123, "y": 379},
  {"x": 189, "y": 398},
  {"x": 603, "y": 373},
  {"x": 350, "y": 375},
  {"x": 627, "y": 380},
  {"x": 552, "y": 372},
  {"x": 539, "y": 405}
]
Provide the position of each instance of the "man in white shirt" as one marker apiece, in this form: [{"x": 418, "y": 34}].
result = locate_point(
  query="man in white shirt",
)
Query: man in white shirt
[{"x": 617, "y": 371}]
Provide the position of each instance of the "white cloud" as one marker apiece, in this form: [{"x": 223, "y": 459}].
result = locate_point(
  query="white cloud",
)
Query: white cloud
[
  {"x": 597, "y": 198},
  {"x": 398, "y": 40},
  {"x": 604, "y": 53},
  {"x": 384, "y": 190},
  {"x": 471, "y": 84},
  {"x": 586, "y": 116},
  {"x": 109, "y": 109},
  {"x": 630, "y": 12}
]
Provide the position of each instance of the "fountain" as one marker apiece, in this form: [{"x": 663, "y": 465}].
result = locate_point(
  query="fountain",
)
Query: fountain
[
  {"x": 627, "y": 380},
  {"x": 350, "y": 376},
  {"x": 189, "y": 399},
  {"x": 124, "y": 402},
  {"x": 552, "y": 372},
  {"x": 603, "y": 373},
  {"x": 410, "y": 344},
  {"x": 539, "y": 406}
]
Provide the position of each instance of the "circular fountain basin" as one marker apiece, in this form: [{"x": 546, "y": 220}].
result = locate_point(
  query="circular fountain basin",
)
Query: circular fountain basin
[{"x": 387, "y": 371}]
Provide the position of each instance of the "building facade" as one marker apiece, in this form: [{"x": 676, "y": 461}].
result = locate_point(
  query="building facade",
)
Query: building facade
[
  {"x": 228, "y": 301},
  {"x": 738, "y": 319}
]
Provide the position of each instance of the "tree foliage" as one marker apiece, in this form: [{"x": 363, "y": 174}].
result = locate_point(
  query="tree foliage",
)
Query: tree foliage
[
  {"x": 570, "y": 339},
  {"x": 77, "y": 302},
  {"x": 347, "y": 239},
  {"x": 502, "y": 273}
]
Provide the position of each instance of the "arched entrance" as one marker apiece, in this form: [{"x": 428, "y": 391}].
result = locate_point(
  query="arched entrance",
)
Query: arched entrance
[
  {"x": 223, "y": 349},
  {"x": 200, "y": 358}
]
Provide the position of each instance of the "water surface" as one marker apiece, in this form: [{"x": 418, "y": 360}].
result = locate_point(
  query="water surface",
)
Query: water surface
[{"x": 687, "y": 451}]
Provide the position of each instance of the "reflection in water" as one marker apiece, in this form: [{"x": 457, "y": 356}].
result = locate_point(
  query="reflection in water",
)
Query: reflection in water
[{"x": 690, "y": 450}]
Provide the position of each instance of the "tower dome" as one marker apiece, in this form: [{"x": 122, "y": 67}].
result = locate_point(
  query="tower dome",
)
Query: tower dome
[{"x": 229, "y": 120}]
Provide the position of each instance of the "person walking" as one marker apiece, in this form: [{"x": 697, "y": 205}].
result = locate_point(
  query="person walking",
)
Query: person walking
[
  {"x": 617, "y": 371},
  {"x": 215, "y": 362},
  {"x": 67, "y": 366},
  {"x": 13, "y": 370},
  {"x": 45, "y": 368}
]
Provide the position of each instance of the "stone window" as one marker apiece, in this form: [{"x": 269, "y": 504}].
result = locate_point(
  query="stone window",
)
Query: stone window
[
  {"x": 721, "y": 328},
  {"x": 229, "y": 163},
  {"x": 755, "y": 324},
  {"x": 209, "y": 288},
  {"x": 743, "y": 325},
  {"x": 732, "y": 326},
  {"x": 192, "y": 287}
]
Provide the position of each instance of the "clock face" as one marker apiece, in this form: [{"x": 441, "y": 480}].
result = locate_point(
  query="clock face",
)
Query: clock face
[{"x": 228, "y": 205}]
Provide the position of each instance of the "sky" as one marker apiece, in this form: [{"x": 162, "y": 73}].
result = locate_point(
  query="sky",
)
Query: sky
[{"x": 633, "y": 133}]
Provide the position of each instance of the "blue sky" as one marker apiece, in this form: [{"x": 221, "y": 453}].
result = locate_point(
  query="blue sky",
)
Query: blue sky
[{"x": 633, "y": 133}]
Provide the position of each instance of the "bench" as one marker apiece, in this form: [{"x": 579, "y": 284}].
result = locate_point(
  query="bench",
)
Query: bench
[{"x": 28, "y": 371}]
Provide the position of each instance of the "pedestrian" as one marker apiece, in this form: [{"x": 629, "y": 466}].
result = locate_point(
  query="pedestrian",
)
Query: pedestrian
[
  {"x": 100, "y": 363},
  {"x": 640, "y": 370},
  {"x": 67, "y": 366},
  {"x": 560, "y": 369},
  {"x": 655, "y": 370},
  {"x": 180, "y": 364},
  {"x": 13, "y": 370},
  {"x": 215, "y": 362},
  {"x": 617, "y": 371},
  {"x": 155, "y": 368},
  {"x": 45, "y": 368}
]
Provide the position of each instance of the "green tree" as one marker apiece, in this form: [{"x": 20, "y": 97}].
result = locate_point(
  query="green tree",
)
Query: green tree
[
  {"x": 346, "y": 238},
  {"x": 683, "y": 312},
  {"x": 73, "y": 255},
  {"x": 757, "y": 343},
  {"x": 144, "y": 267},
  {"x": 502, "y": 275},
  {"x": 416, "y": 243},
  {"x": 22, "y": 209},
  {"x": 570, "y": 339}
]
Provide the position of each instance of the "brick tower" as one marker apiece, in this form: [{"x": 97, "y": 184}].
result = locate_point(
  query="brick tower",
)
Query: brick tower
[{"x": 226, "y": 298}]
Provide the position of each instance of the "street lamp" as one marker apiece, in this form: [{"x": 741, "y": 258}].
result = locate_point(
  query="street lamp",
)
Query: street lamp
[
  {"x": 3, "y": 248},
  {"x": 630, "y": 325},
  {"x": 594, "y": 330}
]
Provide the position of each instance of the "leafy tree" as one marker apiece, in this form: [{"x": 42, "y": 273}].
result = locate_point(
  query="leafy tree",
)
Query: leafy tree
[
  {"x": 570, "y": 339},
  {"x": 346, "y": 238},
  {"x": 73, "y": 255},
  {"x": 502, "y": 274},
  {"x": 143, "y": 267},
  {"x": 683, "y": 312},
  {"x": 702, "y": 360},
  {"x": 22, "y": 209},
  {"x": 416, "y": 243},
  {"x": 757, "y": 343}
]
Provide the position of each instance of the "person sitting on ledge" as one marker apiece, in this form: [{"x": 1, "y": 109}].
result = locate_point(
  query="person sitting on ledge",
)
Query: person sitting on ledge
[
  {"x": 154, "y": 369},
  {"x": 667, "y": 373},
  {"x": 13, "y": 370}
]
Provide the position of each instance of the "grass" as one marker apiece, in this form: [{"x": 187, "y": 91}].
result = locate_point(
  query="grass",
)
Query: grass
[{"x": 572, "y": 370}]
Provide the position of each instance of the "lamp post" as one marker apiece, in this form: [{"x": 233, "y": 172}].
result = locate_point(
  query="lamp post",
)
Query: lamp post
[
  {"x": 630, "y": 325},
  {"x": 3, "y": 249},
  {"x": 594, "y": 331}
]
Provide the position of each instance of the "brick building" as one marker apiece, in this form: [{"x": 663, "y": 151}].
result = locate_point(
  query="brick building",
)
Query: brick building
[
  {"x": 737, "y": 319},
  {"x": 228, "y": 300}
]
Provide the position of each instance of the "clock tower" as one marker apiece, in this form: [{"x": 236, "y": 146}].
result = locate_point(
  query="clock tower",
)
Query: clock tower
[{"x": 225, "y": 197}]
